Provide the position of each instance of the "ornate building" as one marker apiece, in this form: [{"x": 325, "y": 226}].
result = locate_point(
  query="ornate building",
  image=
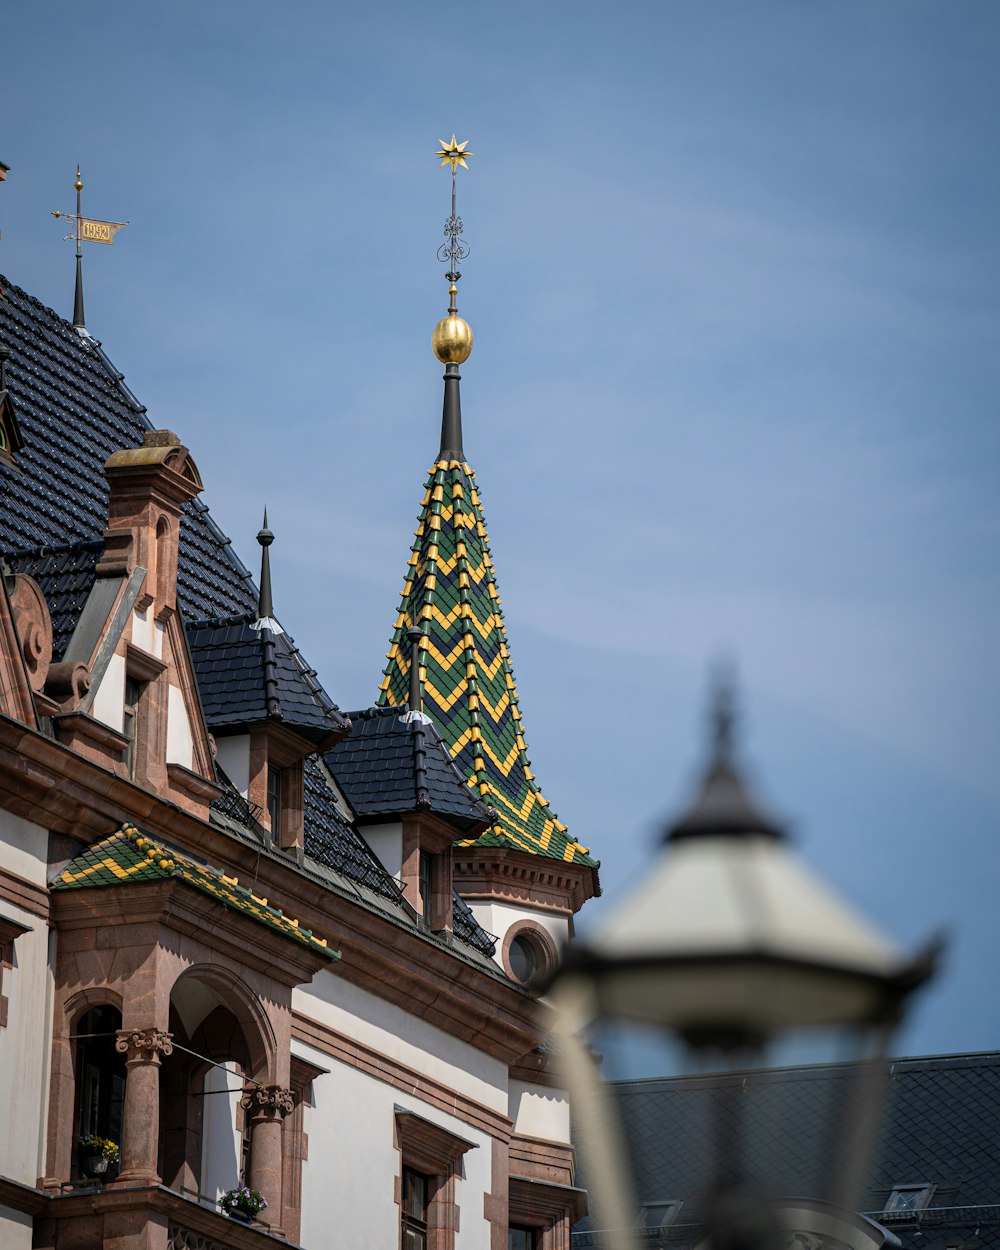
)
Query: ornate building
[{"x": 244, "y": 933}]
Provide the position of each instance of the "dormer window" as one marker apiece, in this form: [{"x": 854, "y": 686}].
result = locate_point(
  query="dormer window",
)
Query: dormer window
[
  {"x": 660, "y": 1214},
  {"x": 905, "y": 1198},
  {"x": 10, "y": 433},
  {"x": 130, "y": 720},
  {"x": 275, "y": 799},
  {"x": 426, "y": 882}
]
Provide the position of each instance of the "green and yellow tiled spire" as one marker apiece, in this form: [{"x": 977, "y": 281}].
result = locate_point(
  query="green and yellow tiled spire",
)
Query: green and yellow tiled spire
[{"x": 450, "y": 592}]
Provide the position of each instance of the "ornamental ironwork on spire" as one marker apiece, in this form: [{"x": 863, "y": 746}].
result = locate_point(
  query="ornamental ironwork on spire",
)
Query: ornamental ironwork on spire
[
  {"x": 450, "y": 594},
  {"x": 85, "y": 230}
]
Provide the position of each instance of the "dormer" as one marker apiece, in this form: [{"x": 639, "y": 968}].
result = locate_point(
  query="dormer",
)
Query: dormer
[
  {"x": 11, "y": 441},
  {"x": 409, "y": 800},
  {"x": 125, "y": 685},
  {"x": 265, "y": 708}
]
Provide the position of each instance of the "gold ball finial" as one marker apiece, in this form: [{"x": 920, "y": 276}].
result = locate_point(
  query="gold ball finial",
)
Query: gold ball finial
[
  {"x": 452, "y": 340},
  {"x": 78, "y": 185}
]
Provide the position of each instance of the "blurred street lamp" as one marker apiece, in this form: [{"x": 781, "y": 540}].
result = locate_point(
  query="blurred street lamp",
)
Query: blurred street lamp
[{"x": 730, "y": 944}]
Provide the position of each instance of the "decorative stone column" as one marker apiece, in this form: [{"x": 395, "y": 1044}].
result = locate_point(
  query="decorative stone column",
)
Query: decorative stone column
[
  {"x": 266, "y": 1106},
  {"x": 142, "y": 1049}
]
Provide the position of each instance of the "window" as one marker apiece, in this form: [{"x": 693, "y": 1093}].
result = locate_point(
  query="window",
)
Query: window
[
  {"x": 659, "y": 1214},
  {"x": 431, "y": 1160},
  {"x": 906, "y": 1198},
  {"x": 10, "y": 931},
  {"x": 426, "y": 883},
  {"x": 520, "y": 1238},
  {"x": 529, "y": 953},
  {"x": 523, "y": 959},
  {"x": 275, "y": 799},
  {"x": 100, "y": 1074},
  {"x": 413, "y": 1212},
  {"x": 130, "y": 720}
]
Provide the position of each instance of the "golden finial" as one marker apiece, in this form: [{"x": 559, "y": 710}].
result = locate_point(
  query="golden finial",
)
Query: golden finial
[
  {"x": 78, "y": 185},
  {"x": 453, "y": 153},
  {"x": 452, "y": 339}
]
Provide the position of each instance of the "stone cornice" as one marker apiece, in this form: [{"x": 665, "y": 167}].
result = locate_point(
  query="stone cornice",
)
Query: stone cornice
[
  {"x": 538, "y": 1068},
  {"x": 498, "y": 874},
  {"x": 24, "y": 893},
  {"x": 381, "y": 1067}
]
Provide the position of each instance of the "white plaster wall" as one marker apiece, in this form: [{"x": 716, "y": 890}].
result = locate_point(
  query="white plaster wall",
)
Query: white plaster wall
[
  {"x": 538, "y": 1111},
  {"x": 497, "y": 918},
  {"x": 24, "y": 848},
  {"x": 25, "y": 1045},
  {"x": 180, "y": 742},
  {"x": 109, "y": 702},
  {"x": 15, "y": 1229},
  {"x": 348, "y": 1180},
  {"x": 220, "y": 1151},
  {"x": 387, "y": 843},
  {"x": 147, "y": 633},
  {"x": 398, "y": 1035},
  {"x": 234, "y": 756}
]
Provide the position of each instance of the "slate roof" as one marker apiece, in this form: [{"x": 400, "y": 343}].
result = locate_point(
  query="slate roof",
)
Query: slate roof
[
  {"x": 66, "y": 576},
  {"x": 331, "y": 840},
  {"x": 940, "y": 1125},
  {"x": 230, "y": 659},
  {"x": 129, "y": 857},
  {"x": 74, "y": 410},
  {"x": 388, "y": 765},
  {"x": 450, "y": 592}
]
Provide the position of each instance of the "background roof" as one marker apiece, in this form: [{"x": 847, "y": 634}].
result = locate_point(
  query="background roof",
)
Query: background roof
[{"x": 940, "y": 1127}]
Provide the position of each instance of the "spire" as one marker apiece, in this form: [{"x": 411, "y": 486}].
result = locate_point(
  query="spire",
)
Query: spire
[
  {"x": 92, "y": 230},
  {"x": 452, "y": 335},
  {"x": 723, "y": 804},
  {"x": 79, "y": 320},
  {"x": 265, "y": 606},
  {"x": 450, "y": 601}
]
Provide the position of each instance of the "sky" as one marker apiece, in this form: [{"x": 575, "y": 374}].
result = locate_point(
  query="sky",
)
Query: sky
[{"x": 733, "y": 280}]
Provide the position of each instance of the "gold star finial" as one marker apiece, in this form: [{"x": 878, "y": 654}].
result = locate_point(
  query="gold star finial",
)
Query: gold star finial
[{"x": 453, "y": 153}]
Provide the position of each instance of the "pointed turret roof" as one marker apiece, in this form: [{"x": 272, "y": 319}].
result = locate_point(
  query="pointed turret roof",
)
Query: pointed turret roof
[
  {"x": 468, "y": 684},
  {"x": 450, "y": 593}
]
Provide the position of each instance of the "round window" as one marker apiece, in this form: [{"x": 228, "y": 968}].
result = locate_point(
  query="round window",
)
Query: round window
[{"x": 524, "y": 959}]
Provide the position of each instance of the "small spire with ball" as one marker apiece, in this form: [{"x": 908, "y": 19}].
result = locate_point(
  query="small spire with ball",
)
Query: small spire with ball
[{"x": 452, "y": 338}]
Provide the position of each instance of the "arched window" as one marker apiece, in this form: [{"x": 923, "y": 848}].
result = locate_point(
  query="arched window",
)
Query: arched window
[{"x": 100, "y": 1074}]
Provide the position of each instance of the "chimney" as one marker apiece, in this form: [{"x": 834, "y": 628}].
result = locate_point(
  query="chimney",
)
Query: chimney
[{"x": 148, "y": 487}]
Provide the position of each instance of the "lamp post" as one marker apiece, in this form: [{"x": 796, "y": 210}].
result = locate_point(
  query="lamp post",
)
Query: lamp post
[{"x": 728, "y": 944}]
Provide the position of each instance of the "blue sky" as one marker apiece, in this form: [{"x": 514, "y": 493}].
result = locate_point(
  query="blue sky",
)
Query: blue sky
[{"x": 733, "y": 282}]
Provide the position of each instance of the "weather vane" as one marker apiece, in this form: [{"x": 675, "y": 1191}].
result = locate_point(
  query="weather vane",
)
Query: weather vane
[
  {"x": 88, "y": 229},
  {"x": 455, "y": 248}
]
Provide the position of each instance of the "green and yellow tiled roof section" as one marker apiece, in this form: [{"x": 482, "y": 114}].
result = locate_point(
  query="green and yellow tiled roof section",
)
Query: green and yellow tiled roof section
[
  {"x": 130, "y": 857},
  {"x": 468, "y": 685}
]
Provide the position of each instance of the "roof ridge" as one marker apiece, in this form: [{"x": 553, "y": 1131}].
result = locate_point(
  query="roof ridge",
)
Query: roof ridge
[
  {"x": 59, "y": 549},
  {"x": 221, "y": 622},
  {"x": 374, "y": 713}
]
